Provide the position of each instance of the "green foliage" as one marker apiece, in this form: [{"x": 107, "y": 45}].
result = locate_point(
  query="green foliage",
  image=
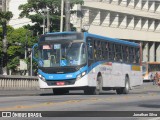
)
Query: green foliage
[
  {"x": 76, "y": 2},
  {"x": 1, "y": 42},
  {"x": 5, "y": 16},
  {"x": 35, "y": 10},
  {"x": 18, "y": 39},
  {"x": 13, "y": 63}
]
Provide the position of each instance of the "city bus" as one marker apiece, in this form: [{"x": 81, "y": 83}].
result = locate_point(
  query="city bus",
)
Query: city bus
[
  {"x": 89, "y": 62},
  {"x": 150, "y": 68}
]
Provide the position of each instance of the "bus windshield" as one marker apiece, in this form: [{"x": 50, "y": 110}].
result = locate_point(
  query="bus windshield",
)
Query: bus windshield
[{"x": 62, "y": 54}]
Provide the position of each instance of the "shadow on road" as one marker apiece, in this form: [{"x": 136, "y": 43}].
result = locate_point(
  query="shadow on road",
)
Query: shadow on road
[
  {"x": 150, "y": 105},
  {"x": 76, "y": 93}
]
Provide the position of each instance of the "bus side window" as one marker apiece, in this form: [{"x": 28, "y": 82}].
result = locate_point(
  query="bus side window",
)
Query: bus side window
[
  {"x": 125, "y": 53},
  {"x": 118, "y": 56},
  {"x": 105, "y": 50},
  {"x": 111, "y": 51},
  {"x": 95, "y": 51},
  {"x": 134, "y": 55},
  {"x": 131, "y": 55},
  {"x": 99, "y": 51},
  {"x": 137, "y": 55},
  {"x": 90, "y": 51}
]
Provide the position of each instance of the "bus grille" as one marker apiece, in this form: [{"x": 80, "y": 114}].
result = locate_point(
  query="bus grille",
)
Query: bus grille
[{"x": 67, "y": 82}]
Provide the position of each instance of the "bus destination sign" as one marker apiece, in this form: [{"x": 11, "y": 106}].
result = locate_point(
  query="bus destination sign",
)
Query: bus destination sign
[{"x": 60, "y": 37}]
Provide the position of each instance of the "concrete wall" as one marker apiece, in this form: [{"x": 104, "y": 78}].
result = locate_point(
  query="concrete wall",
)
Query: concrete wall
[{"x": 18, "y": 82}]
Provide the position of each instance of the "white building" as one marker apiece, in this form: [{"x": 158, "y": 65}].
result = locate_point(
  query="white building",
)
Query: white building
[
  {"x": 17, "y": 22},
  {"x": 134, "y": 20}
]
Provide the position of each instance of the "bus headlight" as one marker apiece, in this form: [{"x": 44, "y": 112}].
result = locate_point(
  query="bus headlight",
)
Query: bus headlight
[
  {"x": 81, "y": 75},
  {"x": 41, "y": 77}
]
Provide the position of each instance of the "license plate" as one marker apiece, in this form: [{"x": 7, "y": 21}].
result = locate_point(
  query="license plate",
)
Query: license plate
[{"x": 60, "y": 83}]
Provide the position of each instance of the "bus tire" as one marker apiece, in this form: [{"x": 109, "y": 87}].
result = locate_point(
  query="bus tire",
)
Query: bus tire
[
  {"x": 98, "y": 87},
  {"x": 95, "y": 90},
  {"x": 127, "y": 86},
  {"x": 124, "y": 90},
  {"x": 60, "y": 91}
]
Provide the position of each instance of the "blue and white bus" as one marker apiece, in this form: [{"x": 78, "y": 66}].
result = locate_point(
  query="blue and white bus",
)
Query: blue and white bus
[{"x": 89, "y": 62}]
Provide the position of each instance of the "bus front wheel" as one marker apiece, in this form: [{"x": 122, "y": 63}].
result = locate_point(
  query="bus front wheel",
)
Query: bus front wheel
[{"x": 95, "y": 90}]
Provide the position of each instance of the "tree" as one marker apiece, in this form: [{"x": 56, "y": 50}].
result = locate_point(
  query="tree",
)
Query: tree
[
  {"x": 4, "y": 18},
  {"x": 18, "y": 39},
  {"x": 35, "y": 10}
]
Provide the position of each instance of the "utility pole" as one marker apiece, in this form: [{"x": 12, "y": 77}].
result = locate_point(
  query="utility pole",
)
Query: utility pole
[
  {"x": 67, "y": 13},
  {"x": 48, "y": 20},
  {"x": 79, "y": 17},
  {"x": 4, "y": 26},
  {"x": 43, "y": 23},
  {"x": 61, "y": 22},
  {"x": 26, "y": 43}
]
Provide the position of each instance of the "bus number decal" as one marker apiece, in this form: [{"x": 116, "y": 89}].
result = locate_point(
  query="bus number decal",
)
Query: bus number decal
[
  {"x": 50, "y": 77},
  {"x": 69, "y": 76}
]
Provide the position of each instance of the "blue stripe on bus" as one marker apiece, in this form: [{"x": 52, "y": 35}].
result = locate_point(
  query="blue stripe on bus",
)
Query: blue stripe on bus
[{"x": 66, "y": 76}]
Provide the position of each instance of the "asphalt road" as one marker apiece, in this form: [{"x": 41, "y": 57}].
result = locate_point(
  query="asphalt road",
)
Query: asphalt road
[{"x": 145, "y": 98}]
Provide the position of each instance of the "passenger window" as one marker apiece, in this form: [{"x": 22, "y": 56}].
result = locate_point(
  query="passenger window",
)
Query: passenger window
[
  {"x": 118, "y": 56},
  {"x": 137, "y": 54},
  {"x": 111, "y": 52},
  {"x": 131, "y": 55},
  {"x": 90, "y": 45},
  {"x": 97, "y": 50},
  {"x": 125, "y": 54},
  {"x": 105, "y": 48}
]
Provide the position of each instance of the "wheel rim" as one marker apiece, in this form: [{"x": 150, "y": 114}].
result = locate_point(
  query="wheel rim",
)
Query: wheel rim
[
  {"x": 127, "y": 85},
  {"x": 98, "y": 85},
  {"x": 126, "y": 90}
]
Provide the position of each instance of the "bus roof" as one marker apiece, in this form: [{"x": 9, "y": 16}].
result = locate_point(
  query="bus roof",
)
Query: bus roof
[
  {"x": 65, "y": 32},
  {"x": 113, "y": 40},
  {"x": 99, "y": 37}
]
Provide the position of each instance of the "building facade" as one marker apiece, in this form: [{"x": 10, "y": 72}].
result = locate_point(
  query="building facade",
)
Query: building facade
[
  {"x": 133, "y": 20},
  {"x": 12, "y": 5},
  {"x": 16, "y": 21},
  {"x": 0, "y": 5},
  {"x": 3, "y": 5}
]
